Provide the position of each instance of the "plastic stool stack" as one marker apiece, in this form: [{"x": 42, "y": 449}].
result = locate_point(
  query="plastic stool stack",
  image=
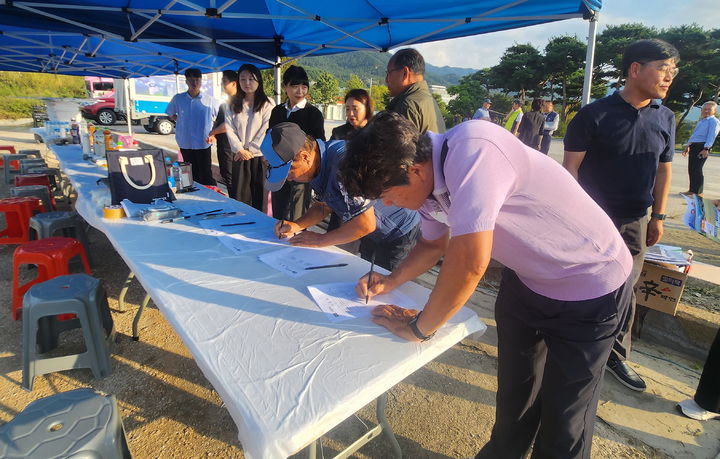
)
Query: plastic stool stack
[
  {"x": 8, "y": 169},
  {"x": 53, "y": 174},
  {"x": 10, "y": 149},
  {"x": 17, "y": 218},
  {"x": 77, "y": 294},
  {"x": 52, "y": 257},
  {"x": 77, "y": 423},
  {"x": 39, "y": 191},
  {"x": 29, "y": 163},
  {"x": 70, "y": 223}
]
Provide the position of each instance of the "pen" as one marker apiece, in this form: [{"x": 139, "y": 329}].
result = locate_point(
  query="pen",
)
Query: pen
[
  {"x": 237, "y": 224},
  {"x": 208, "y": 217},
  {"x": 206, "y": 212},
  {"x": 372, "y": 266},
  {"x": 170, "y": 220},
  {"x": 339, "y": 265}
]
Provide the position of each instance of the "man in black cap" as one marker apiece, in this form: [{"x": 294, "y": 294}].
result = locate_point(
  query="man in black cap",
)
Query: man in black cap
[
  {"x": 386, "y": 233},
  {"x": 483, "y": 113}
]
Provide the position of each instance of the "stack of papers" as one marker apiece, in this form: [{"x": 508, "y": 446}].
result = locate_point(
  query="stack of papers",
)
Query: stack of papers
[
  {"x": 340, "y": 301},
  {"x": 666, "y": 254},
  {"x": 242, "y": 238},
  {"x": 298, "y": 261}
]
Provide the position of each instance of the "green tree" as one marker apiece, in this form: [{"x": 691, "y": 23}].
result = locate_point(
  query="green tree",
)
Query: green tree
[
  {"x": 699, "y": 77},
  {"x": 447, "y": 116},
  {"x": 354, "y": 82},
  {"x": 564, "y": 56},
  {"x": 611, "y": 44},
  {"x": 469, "y": 95},
  {"x": 326, "y": 89},
  {"x": 380, "y": 95},
  {"x": 519, "y": 70}
]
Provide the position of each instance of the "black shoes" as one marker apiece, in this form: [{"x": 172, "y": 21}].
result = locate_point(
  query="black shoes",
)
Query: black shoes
[{"x": 625, "y": 374}]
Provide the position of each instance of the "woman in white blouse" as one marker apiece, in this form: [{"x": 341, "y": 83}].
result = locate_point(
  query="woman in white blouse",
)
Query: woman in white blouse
[{"x": 246, "y": 120}]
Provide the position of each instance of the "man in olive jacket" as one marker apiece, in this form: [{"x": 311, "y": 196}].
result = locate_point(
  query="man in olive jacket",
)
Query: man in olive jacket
[{"x": 405, "y": 78}]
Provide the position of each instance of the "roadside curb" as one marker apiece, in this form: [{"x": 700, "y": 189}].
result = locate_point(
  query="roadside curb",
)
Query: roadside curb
[{"x": 690, "y": 331}]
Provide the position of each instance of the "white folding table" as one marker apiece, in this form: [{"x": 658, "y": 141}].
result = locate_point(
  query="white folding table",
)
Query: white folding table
[{"x": 286, "y": 374}]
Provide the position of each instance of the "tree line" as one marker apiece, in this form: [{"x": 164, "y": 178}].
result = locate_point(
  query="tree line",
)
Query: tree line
[{"x": 556, "y": 72}]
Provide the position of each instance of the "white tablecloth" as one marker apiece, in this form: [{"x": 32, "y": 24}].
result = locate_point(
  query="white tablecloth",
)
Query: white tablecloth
[{"x": 286, "y": 373}]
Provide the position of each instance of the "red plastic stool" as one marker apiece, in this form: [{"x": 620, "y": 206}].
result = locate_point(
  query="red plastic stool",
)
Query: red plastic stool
[
  {"x": 52, "y": 256},
  {"x": 8, "y": 148},
  {"x": 17, "y": 218},
  {"x": 36, "y": 179}
]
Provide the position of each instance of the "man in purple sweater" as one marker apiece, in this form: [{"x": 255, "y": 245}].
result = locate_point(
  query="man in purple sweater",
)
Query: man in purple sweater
[{"x": 482, "y": 194}]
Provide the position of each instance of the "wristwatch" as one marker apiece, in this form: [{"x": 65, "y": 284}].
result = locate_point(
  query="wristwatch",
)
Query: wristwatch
[
  {"x": 416, "y": 331},
  {"x": 657, "y": 216}
]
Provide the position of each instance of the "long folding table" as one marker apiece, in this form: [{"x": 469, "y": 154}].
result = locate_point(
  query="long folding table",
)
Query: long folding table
[{"x": 286, "y": 373}]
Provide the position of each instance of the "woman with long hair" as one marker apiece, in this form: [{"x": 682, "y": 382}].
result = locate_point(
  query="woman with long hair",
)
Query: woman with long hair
[
  {"x": 246, "y": 124},
  {"x": 358, "y": 111}
]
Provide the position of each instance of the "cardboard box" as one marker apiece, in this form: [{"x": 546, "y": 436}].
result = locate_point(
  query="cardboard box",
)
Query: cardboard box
[{"x": 660, "y": 287}]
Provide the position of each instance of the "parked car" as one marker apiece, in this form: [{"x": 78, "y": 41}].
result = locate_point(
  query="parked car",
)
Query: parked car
[{"x": 102, "y": 111}]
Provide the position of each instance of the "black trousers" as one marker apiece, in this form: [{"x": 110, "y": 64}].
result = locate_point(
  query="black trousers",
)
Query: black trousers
[
  {"x": 545, "y": 142},
  {"x": 291, "y": 201},
  {"x": 551, "y": 357},
  {"x": 247, "y": 184},
  {"x": 225, "y": 159},
  {"x": 695, "y": 168},
  {"x": 634, "y": 233},
  {"x": 389, "y": 254},
  {"x": 201, "y": 165},
  {"x": 708, "y": 390}
]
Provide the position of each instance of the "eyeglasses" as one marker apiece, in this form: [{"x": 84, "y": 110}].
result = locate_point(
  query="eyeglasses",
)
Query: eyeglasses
[
  {"x": 667, "y": 69},
  {"x": 388, "y": 72},
  {"x": 270, "y": 167}
]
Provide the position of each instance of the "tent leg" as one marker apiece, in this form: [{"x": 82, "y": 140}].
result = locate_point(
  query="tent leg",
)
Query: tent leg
[
  {"x": 276, "y": 74},
  {"x": 128, "y": 111},
  {"x": 589, "y": 59}
]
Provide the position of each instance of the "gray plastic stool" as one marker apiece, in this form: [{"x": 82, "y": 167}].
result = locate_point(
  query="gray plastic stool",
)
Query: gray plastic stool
[
  {"x": 77, "y": 294},
  {"x": 31, "y": 153},
  {"x": 77, "y": 423},
  {"x": 53, "y": 174},
  {"x": 39, "y": 191},
  {"x": 30, "y": 163},
  {"x": 71, "y": 224},
  {"x": 8, "y": 173}
]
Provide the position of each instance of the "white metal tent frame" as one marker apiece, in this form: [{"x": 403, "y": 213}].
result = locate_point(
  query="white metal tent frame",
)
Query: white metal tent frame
[{"x": 175, "y": 8}]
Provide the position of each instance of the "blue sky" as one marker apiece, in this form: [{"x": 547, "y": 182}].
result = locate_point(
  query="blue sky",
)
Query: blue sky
[{"x": 488, "y": 48}]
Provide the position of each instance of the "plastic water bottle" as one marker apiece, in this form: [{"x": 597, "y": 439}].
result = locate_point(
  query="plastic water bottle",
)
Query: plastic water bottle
[
  {"x": 75, "y": 132},
  {"x": 177, "y": 175}
]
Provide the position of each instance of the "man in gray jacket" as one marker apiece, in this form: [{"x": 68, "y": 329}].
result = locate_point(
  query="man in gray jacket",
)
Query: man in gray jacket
[{"x": 405, "y": 78}]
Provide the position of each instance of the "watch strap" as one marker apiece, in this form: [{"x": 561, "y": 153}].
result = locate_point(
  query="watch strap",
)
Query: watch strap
[
  {"x": 416, "y": 331},
  {"x": 657, "y": 216}
]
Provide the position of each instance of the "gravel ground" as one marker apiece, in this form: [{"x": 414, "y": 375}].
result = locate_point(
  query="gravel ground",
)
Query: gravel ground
[{"x": 445, "y": 409}]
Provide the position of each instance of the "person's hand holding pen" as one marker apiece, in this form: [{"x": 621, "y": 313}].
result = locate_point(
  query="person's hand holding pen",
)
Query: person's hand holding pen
[
  {"x": 285, "y": 229},
  {"x": 378, "y": 283}
]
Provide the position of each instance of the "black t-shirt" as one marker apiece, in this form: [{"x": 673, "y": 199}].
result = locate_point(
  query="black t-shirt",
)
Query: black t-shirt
[{"x": 623, "y": 147}]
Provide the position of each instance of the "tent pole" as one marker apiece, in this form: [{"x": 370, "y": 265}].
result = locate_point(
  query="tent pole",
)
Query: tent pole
[
  {"x": 128, "y": 109},
  {"x": 276, "y": 75},
  {"x": 589, "y": 59}
]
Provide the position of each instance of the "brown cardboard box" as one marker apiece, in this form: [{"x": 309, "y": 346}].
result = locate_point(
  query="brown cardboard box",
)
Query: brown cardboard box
[{"x": 660, "y": 287}]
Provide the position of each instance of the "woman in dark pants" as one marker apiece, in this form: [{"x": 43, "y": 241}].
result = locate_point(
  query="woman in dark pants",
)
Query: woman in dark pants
[{"x": 293, "y": 199}]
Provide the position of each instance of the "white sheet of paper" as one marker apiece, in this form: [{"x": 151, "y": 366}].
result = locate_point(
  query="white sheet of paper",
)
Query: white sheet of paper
[
  {"x": 241, "y": 238},
  {"x": 340, "y": 302},
  {"x": 293, "y": 261}
]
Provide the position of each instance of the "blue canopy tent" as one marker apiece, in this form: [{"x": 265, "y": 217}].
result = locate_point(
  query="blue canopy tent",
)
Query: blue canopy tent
[{"x": 261, "y": 31}]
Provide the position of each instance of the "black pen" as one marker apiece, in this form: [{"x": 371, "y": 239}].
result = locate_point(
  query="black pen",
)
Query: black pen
[
  {"x": 372, "y": 266},
  {"x": 237, "y": 224},
  {"x": 206, "y": 212},
  {"x": 339, "y": 265}
]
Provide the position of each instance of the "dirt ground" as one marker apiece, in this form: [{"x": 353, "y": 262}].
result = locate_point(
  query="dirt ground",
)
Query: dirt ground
[{"x": 444, "y": 410}]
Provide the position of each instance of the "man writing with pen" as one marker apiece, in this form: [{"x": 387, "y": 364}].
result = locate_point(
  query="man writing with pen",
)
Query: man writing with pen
[{"x": 386, "y": 233}]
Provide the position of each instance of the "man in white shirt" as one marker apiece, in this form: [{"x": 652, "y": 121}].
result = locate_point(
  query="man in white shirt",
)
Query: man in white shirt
[{"x": 483, "y": 113}]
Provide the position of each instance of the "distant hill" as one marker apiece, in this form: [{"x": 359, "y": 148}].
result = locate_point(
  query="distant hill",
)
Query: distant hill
[{"x": 370, "y": 64}]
